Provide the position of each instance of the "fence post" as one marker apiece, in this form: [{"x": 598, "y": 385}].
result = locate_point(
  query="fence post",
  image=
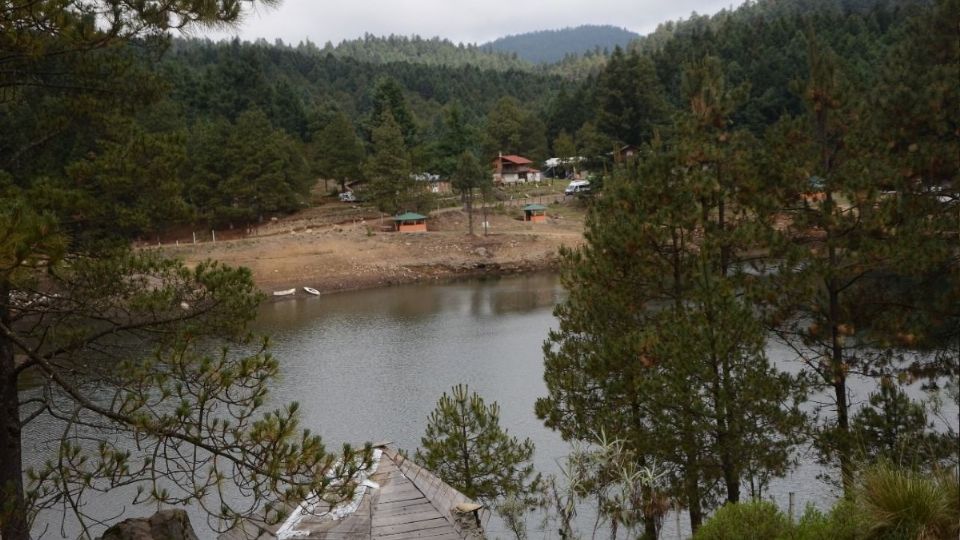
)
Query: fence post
[
  {"x": 194, "y": 237},
  {"x": 790, "y": 506},
  {"x": 213, "y": 233}
]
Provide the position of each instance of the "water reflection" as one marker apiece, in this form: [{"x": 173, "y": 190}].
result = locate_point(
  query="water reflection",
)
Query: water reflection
[{"x": 369, "y": 365}]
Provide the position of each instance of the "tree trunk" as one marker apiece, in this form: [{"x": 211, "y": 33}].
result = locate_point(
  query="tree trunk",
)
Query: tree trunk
[
  {"x": 693, "y": 501},
  {"x": 13, "y": 511},
  {"x": 838, "y": 371},
  {"x": 468, "y": 199}
]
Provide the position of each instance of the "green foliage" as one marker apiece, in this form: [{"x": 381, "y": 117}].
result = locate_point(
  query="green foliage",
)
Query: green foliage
[
  {"x": 456, "y": 137},
  {"x": 138, "y": 170},
  {"x": 894, "y": 428},
  {"x": 140, "y": 327},
  {"x": 512, "y": 129},
  {"x": 337, "y": 151},
  {"x": 243, "y": 172},
  {"x": 842, "y": 290},
  {"x": 605, "y": 474},
  {"x": 841, "y": 523},
  {"x": 657, "y": 343},
  {"x": 466, "y": 447},
  {"x": 469, "y": 176},
  {"x": 762, "y": 520},
  {"x": 563, "y": 146},
  {"x": 754, "y": 520},
  {"x": 388, "y": 97},
  {"x": 630, "y": 99},
  {"x": 594, "y": 146},
  {"x": 388, "y": 169},
  {"x": 129, "y": 350},
  {"x": 429, "y": 51},
  {"x": 899, "y": 503}
]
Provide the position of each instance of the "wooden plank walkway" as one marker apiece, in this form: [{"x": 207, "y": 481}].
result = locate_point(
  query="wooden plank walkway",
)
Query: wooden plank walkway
[{"x": 410, "y": 502}]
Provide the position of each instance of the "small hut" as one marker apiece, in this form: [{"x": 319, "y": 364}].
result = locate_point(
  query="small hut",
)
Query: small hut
[
  {"x": 535, "y": 213},
  {"x": 410, "y": 222}
]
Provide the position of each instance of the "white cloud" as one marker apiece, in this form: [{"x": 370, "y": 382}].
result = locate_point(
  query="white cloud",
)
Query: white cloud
[{"x": 471, "y": 21}]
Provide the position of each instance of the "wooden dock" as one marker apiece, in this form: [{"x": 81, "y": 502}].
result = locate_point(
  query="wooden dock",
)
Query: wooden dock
[{"x": 409, "y": 502}]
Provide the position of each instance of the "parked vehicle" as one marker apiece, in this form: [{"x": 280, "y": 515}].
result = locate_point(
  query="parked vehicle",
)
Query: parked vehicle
[
  {"x": 348, "y": 196},
  {"x": 577, "y": 186}
]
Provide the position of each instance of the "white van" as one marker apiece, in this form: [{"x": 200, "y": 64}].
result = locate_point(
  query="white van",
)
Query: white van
[{"x": 578, "y": 186}]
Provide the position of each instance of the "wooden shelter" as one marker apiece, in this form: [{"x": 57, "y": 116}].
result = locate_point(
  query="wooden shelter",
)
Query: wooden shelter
[
  {"x": 535, "y": 213},
  {"x": 398, "y": 499},
  {"x": 410, "y": 222}
]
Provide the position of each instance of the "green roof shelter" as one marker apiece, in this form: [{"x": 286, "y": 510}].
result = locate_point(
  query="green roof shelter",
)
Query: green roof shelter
[
  {"x": 410, "y": 222},
  {"x": 535, "y": 213}
]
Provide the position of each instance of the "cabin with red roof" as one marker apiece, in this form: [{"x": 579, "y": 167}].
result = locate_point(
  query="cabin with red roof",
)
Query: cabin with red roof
[{"x": 512, "y": 169}]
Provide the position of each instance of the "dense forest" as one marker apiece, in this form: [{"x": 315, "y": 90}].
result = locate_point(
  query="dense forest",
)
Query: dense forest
[
  {"x": 199, "y": 92},
  {"x": 795, "y": 178},
  {"x": 551, "y": 46}
]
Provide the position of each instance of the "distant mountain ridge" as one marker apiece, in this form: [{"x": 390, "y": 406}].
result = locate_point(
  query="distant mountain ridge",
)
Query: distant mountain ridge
[{"x": 550, "y": 46}]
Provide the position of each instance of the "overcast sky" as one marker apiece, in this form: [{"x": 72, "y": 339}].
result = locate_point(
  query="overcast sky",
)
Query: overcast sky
[{"x": 467, "y": 21}]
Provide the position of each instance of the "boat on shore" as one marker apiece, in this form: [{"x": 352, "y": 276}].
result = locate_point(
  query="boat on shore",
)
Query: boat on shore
[
  {"x": 285, "y": 292},
  {"x": 312, "y": 291}
]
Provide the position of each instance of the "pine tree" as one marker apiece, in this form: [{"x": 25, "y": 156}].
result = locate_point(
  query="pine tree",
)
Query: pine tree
[
  {"x": 141, "y": 169},
  {"x": 856, "y": 234},
  {"x": 339, "y": 151},
  {"x": 503, "y": 130},
  {"x": 457, "y": 137},
  {"x": 388, "y": 169},
  {"x": 657, "y": 344},
  {"x": 388, "y": 97},
  {"x": 468, "y": 177},
  {"x": 267, "y": 171},
  {"x": 465, "y": 445},
  {"x": 72, "y": 311},
  {"x": 630, "y": 99},
  {"x": 510, "y": 129},
  {"x": 896, "y": 429}
]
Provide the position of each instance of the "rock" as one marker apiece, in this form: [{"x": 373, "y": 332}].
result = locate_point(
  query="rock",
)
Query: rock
[{"x": 164, "y": 525}]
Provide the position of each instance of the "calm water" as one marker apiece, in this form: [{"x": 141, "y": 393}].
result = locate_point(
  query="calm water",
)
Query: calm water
[{"x": 370, "y": 365}]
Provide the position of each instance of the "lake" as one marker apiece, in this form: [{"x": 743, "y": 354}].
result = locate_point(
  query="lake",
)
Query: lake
[{"x": 370, "y": 365}]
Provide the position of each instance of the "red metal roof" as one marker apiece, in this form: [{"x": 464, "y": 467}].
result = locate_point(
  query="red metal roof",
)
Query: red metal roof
[{"x": 518, "y": 160}]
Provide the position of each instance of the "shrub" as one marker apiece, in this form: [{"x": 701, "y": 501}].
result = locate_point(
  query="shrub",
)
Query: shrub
[
  {"x": 840, "y": 524},
  {"x": 901, "y": 503},
  {"x": 756, "y": 520}
]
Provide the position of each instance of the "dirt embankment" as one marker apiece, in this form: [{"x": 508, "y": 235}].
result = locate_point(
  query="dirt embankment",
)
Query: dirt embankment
[{"x": 307, "y": 250}]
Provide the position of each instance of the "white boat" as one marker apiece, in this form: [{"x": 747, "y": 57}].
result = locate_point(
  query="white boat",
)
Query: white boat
[
  {"x": 285, "y": 292},
  {"x": 312, "y": 291}
]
